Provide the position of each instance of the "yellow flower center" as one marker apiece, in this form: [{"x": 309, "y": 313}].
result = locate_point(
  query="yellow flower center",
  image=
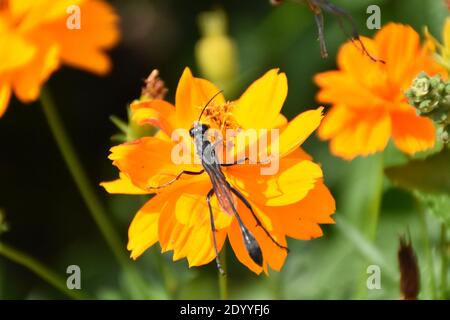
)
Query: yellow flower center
[{"x": 221, "y": 116}]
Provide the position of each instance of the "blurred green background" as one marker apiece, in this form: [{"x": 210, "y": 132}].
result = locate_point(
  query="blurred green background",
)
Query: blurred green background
[{"x": 49, "y": 220}]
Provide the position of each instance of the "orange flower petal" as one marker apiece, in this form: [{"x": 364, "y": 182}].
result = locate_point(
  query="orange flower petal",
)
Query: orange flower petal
[
  {"x": 147, "y": 162},
  {"x": 33, "y": 14},
  {"x": 335, "y": 121},
  {"x": 354, "y": 62},
  {"x": 143, "y": 231},
  {"x": 273, "y": 255},
  {"x": 338, "y": 87},
  {"x": 399, "y": 46},
  {"x": 123, "y": 185},
  {"x": 28, "y": 80},
  {"x": 291, "y": 184},
  {"x": 357, "y": 83},
  {"x": 412, "y": 133},
  {"x": 192, "y": 95},
  {"x": 84, "y": 48},
  {"x": 18, "y": 9},
  {"x": 301, "y": 220},
  {"x": 368, "y": 133},
  {"x": 193, "y": 242},
  {"x": 5, "y": 95},
  {"x": 191, "y": 206},
  {"x": 158, "y": 113},
  {"x": 298, "y": 130},
  {"x": 173, "y": 234},
  {"x": 281, "y": 121},
  {"x": 200, "y": 244},
  {"x": 260, "y": 105},
  {"x": 15, "y": 52}
]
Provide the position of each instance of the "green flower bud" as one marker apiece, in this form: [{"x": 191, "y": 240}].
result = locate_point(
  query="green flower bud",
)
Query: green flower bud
[
  {"x": 447, "y": 89},
  {"x": 216, "y": 51},
  {"x": 431, "y": 97},
  {"x": 420, "y": 87}
]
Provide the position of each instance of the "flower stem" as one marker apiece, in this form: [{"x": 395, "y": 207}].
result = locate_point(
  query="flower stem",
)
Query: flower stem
[
  {"x": 375, "y": 178},
  {"x": 39, "y": 269},
  {"x": 375, "y": 201},
  {"x": 223, "y": 278},
  {"x": 444, "y": 262},
  {"x": 87, "y": 191},
  {"x": 427, "y": 249}
]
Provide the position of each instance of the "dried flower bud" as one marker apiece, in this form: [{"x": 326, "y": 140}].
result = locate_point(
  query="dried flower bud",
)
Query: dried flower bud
[
  {"x": 409, "y": 270},
  {"x": 154, "y": 87}
]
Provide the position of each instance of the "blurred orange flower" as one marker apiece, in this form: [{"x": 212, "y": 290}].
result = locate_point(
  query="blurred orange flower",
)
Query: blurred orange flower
[
  {"x": 368, "y": 101},
  {"x": 292, "y": 202},
  {"x": 35, "y": 39}
]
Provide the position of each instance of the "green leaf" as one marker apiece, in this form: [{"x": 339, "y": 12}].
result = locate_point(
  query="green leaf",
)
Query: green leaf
[
  {"x": 119, "y": 138},
  {"x": 120, "y": 124},
  {"x": 430, "y": 175},
  {"x": 364, "y": 246},
  {"x": 437, "y": 204}
]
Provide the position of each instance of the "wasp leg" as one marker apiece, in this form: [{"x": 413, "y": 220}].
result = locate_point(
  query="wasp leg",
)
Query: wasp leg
[
  {"x": 192, "y": 173},
  {"x": 319, "y": 22},
  {"x": 259, "y": 224},
  {"x": 318, "y": 17},
  {"x": 234, "y": 163},
  {"x": 340, "y": 15},
  {"x": 213, "y": 230},
  {"x": 242, "y": 161}
]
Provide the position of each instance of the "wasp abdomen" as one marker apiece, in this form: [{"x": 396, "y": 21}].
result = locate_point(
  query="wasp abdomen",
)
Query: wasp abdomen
[{"x": 252, "y": 246}]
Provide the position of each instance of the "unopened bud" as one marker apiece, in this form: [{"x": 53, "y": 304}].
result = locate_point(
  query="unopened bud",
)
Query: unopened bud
[
  {"x": 216, "y": 52},
  {"x": 420, "y": 87}
]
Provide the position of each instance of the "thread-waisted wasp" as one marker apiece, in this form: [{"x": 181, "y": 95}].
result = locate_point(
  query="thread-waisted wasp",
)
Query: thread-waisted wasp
[{"x": 222, "y": 189}]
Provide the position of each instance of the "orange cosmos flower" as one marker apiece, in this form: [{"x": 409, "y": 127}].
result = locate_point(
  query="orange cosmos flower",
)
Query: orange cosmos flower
[
  {"x": 35, "y": 39},
  {"x": 291, "y": 203},
  {"x": 368, "y": 101}
]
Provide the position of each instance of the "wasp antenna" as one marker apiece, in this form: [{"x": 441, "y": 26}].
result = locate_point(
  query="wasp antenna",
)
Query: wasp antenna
[{"x": 210, "y": 100}]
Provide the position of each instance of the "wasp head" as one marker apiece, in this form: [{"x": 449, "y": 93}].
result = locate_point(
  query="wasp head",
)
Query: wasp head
[{"x": 198, "y": 129}]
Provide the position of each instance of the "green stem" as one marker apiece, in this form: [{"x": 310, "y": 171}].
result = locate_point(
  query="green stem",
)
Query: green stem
[
  {"x": 375, "y": 201},
  {"x": 223, "y": 278},
  {"x": 373, "y": 213},
  {"x": 39, "y": 269},
  {"x": 427, "y": 249},
  {"x": 87, "y": 191},
  {"x": 169, "y": 281},
  {"x": 444, "y": 262}
]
